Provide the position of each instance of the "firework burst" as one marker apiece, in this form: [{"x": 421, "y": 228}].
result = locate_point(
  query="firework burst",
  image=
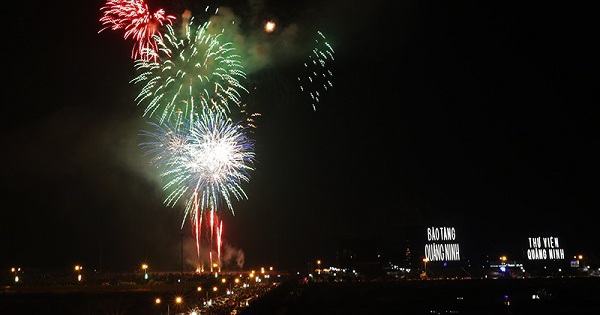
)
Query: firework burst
[
  {"x": 189, "y": 71},
  {"x": 138, "y": 22},
  {"x": 205, "y": 163},
  {"x": 318, "y": 75}
]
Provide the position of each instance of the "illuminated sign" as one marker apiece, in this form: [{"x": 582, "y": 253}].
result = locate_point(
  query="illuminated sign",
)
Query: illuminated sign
[
  {"x": 441, "y": 246},
  {"x": 512, "y": 265},
  {"x": 544, "y": 248}
]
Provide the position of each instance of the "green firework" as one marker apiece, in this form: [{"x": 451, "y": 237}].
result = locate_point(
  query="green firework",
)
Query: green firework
[{"x": 192, "y": 70}]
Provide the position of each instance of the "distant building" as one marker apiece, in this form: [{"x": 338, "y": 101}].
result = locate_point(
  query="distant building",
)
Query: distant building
[{"x": 363, "y": 255}]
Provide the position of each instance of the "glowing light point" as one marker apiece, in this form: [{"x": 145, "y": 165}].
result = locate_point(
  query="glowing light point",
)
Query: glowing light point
[{"x": 270, "y": 26}]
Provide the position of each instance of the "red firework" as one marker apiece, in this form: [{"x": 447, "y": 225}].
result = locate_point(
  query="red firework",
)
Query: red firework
[
  {"x": 216, "y": 230},
  {"x": 139, "y": 23}
]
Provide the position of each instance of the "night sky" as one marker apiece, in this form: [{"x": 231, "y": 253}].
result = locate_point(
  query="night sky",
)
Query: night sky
[{"x": 482, "y": 116}]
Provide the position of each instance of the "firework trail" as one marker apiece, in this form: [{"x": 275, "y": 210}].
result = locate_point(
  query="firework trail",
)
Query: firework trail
[
  {"x": 190, "y": 71},
  {"x": 318, "y": 73},
  {"x": 219, "y": 243},
  {"x": 213, "y": 221},
  {"x": 134, "y": 17},
  {"x": 197, "y": 223}
]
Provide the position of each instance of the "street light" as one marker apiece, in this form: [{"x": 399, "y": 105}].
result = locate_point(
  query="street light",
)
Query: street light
[
  {"x": 78, "y": 268},
  {"x": 16, "y": 270},
  {"x": 503, "y": 258},
  {"x": 178, "y": 301},
  {"x": 157, "y": 302},
  {"x": 318, "y": 266},
  {"x": 425, "y": 260},
  {"x": 199, "y": 289},
  {"x": 145, "y": 268},
  {"x": 208, "y": 302}
]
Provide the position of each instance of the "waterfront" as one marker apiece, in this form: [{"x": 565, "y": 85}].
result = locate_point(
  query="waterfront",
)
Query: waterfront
[
  {"x": 501, "y": 296},
  {"x": 475, "y": 296}
]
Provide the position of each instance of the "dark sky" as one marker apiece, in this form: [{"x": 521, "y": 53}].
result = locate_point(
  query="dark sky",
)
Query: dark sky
[{"x": 481, "y": 116}]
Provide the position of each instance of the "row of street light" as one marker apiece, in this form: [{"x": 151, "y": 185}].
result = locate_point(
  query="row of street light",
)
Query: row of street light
[
  {"x": 178, "y": 301},
  {"x": 144, "y": 267},
  {"x": 16, "y": 270}
]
